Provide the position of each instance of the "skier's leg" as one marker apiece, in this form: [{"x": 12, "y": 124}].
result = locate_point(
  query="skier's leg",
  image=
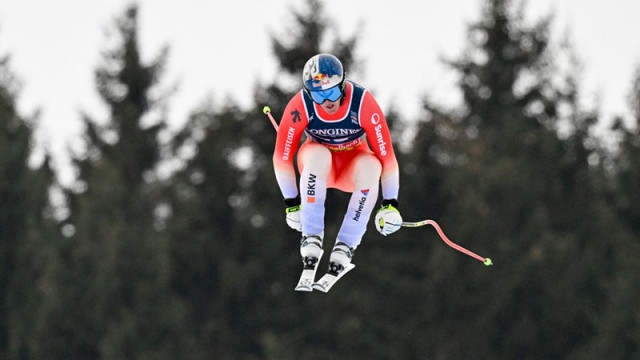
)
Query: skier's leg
[
  {"x": 366, "y": 170},
  {"x": 315, "y": 163}
]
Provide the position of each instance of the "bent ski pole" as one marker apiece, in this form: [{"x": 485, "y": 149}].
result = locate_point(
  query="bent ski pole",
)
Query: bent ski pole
[
  {"x": 267, "y": 111},
  {"x": 444, "y": 238}
]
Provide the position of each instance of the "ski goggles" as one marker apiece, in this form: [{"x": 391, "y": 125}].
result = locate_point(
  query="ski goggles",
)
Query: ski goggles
[{"x": 320, "y": 96}]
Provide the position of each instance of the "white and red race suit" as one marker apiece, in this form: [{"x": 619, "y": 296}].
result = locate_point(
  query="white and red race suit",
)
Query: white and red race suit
[{"x": 350, "y": 150}]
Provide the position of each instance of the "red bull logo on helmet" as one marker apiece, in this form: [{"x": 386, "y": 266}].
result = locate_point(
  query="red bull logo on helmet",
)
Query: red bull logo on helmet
[{"x": 321, "y": 80}]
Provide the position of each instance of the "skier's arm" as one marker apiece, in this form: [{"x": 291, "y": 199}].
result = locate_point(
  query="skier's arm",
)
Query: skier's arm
[
  {"x": 374, "y": 124},
  {"x": 294, "y": 121}
]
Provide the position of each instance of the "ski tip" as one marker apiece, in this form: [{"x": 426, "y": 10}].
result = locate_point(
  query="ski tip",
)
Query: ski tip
[
  {"x": 328, "y": 280},
  {"x": 488, "y": 262},
  {"x": 304, "y": 288},
  {"x": 320, "y": 288}
]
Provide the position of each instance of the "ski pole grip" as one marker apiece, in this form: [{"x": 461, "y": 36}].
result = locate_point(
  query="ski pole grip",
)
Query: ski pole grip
[{"x": 267, "y": 111}]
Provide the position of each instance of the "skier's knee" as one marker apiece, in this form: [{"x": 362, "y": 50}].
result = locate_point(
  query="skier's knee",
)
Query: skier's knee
[
  {"x": 317, "y": 155},
  {"x": 369, "y": 167}
]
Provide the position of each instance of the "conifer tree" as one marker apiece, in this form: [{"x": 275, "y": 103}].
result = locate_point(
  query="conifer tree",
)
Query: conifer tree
[
  {"x": 112, "y": 298},
  {"x": 28, "y": 226},
  {"x": 519, "y": 190},
  {"x": 237, "y": 261},
  {"x": 619, "y": 329},
  {"x": 627, "y": 171}
]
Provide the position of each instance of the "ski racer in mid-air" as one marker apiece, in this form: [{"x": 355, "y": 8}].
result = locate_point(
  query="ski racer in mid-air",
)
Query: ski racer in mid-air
[{"x": 348, "y": 147}]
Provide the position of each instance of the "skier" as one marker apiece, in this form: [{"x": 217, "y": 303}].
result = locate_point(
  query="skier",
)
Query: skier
[{"x": 338, "y": 117}]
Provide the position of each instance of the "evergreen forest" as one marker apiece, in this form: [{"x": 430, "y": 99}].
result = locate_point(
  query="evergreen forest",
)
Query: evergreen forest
[{"x": 177, "y": 248}]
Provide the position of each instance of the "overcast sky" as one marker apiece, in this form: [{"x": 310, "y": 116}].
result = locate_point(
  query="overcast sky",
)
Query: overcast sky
[{"x": 222, "y": 48}]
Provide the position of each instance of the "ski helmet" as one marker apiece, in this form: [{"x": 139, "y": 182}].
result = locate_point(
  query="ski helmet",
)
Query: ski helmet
[{"x": 323, "y": 78}]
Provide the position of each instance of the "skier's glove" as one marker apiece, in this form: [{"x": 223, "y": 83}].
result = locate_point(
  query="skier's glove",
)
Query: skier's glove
[
  {"x": 293, "y": 213},
  {"x": 388, "y": 219}
]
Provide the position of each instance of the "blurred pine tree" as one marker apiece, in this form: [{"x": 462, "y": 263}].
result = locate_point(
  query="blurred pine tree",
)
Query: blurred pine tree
[
  {"x": 522, "y": 183},
  {"x": 28, "y": 228},
  {"x": 111, "y": 295}
]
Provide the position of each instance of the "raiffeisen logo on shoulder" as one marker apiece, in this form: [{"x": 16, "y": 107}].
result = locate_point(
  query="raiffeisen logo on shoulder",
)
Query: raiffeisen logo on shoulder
[{"x": 382, "y": 145}]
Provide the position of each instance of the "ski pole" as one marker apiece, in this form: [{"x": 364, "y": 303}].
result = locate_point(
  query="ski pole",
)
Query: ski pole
[
  {"x": 444, "y": 238},
  {"x": 267, "y": 111}
]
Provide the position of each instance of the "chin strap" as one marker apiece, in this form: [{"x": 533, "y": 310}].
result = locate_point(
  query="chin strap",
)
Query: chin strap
[{"x": 343, "y": 89}]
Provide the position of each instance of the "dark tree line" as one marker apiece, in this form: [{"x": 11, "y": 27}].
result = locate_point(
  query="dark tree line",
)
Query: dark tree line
[{"x": 199, "y": 263}]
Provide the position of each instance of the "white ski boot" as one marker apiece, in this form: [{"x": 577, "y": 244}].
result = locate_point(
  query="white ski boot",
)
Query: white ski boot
[
  {"x": 339, "y": 265},
  {"x": 311, "y": 251}
]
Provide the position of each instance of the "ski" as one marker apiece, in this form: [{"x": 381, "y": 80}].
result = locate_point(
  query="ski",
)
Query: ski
[
  {"x": 331, "y": 278},
  {"x": 308, "y": 276}
]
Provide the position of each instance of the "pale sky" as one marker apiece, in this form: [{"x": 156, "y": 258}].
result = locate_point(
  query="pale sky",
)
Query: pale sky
[{"x": 222, "y": 49}]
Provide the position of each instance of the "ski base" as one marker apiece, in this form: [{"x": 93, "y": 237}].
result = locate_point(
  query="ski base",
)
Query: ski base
[
  {"x": 328, "y": 280},
  {"x": 308, "y": 276}
]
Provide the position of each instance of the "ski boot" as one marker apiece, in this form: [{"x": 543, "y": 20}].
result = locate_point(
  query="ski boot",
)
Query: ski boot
[
  {"x": 339, "y": 265},
  {"x": 311, "y": 251}
]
